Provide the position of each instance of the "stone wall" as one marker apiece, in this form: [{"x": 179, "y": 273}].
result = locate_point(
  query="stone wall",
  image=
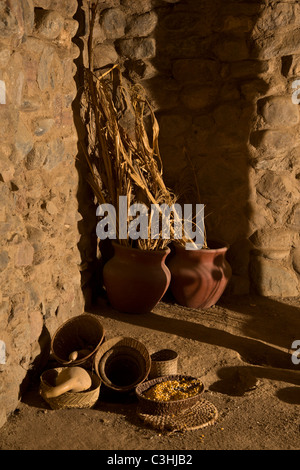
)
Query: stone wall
[
  {"x": 219, "y": 76},
  {"x": 274, "y": 154},
  {"x": 39, "y": 258}
]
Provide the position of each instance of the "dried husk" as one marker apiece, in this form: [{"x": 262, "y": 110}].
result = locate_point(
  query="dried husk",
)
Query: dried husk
[{"x": 122, "y": 165}]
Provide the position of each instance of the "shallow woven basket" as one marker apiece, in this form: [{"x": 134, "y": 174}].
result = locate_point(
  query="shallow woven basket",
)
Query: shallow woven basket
[
  {"x": 148, "y": 406},
  {"x": 77, "y": 333},
  {"x": 122, "y": 363},
  {"x": 163, "y": 362},
  {"x": 200, "y": 415},
  {"x": 85, "y": 399}
]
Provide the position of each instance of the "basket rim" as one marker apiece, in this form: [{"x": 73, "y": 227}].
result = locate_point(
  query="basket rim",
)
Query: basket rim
[
  {"x": 92, "y": 389},
  {"x": 60, "y": 328},
  {"x": 164, "y": 360},
  {"x": 141, "y": 388},
  {"x": 117, "y": 342}
]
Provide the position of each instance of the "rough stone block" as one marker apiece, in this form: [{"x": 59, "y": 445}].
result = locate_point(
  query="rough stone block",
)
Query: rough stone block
[
  {"x": 45, "y": 67},
  {"x": 104, "y": 54},
  {"x": 9, "y": 122},
  {"x": 196, "y": 70},
  {"x": 113, "y": 22},
  {"x": 248, "y": 68},
  {"x": 45, "y": 155},
  {"x": 277, "y": 15},
  {"x": 23, "y": 139},
  {"x": 229, "y": 115},
  {"x": 11, "y": 20},
  {"x": 166, "y": 95},
  {"x": 31, "y": 103},
  {"x": 254, "y": 89},
  {"x": 296, "y": 259},
  {"x": 4, "y": 260},
  {"x": 43, "y": 125},
  {"x": 290, "y": 66},
  {"x": 273, "y": 239},
  {"x": 190, "y": 46},
  {"x": 42, "y": 4},
  {"x": 272, "y": 140},
  {"x": 137, "y": 48},
  {"x": 279, "y": 45},
  {"x": 195, "y": 98},
  {"x": 67, "y": 9},
  {"x": 48, "y": 24},
  {"x": 35, "y": 324},
  {"x": 181, "y": 21},
  {"x": 278, "y": 111},
  {"x": 35, "y": 234},
  {"x": 28, "y": 15},
  {"x": 172, "y": 125},
  {"x": 271, "y": 278},
  {"x": 142, "y": 25},
  {"x": 137, "y": 7},
  {"x": 7, "y": 169},
  {"x": 140, "y": 69},
  {"x": 234, "y": 23},
  {"x": 276, "y": 187},
  {"x": 24, "y": 255},
  {"x": 51, "y": 208},
  {"x": 5, "y": 54},
  {"x": 231, "y": 49},
  {"x": 294, "y": 219}
]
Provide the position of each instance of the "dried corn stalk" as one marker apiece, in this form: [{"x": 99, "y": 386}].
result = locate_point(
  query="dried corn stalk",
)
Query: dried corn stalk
[{"x": 122, "y": 165}]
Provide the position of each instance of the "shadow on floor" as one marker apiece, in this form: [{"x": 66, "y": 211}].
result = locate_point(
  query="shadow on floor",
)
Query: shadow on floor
[
  {"x": 238, "y": 380},
  {"x": 272, "y": 322}
]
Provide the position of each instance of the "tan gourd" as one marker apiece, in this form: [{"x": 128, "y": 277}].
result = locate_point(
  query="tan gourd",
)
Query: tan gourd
[
  {"x": 70, "y": 379},
  {"x": 73, "y": 356}
]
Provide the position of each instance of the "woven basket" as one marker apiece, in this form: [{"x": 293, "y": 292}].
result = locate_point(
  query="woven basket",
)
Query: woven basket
[
  {"x": 85, "y": 399},
  {"x": 122, "y": 363},
  {"x": 148, "y": 406},
  {"x": 200, "y": 415},
  {"x": 163, "y": 362},
  {"x": 80, "y": 332}
]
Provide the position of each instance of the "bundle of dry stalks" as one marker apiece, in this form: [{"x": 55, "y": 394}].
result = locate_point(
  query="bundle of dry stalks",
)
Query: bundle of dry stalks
[{"x": 122, "y": 165}]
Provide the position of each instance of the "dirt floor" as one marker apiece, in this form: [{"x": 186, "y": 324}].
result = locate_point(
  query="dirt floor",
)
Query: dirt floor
[{"x": 240, "y": 348}]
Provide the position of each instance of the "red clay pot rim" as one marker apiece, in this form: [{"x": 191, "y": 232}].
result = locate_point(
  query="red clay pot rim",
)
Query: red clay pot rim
[
  {"x": 160, "y": 251},
  {"x": 223, "y": 246}
]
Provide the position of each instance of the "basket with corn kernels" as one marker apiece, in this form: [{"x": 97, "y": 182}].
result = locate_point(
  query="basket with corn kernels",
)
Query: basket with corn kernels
[{"x": 170, "y": 394}]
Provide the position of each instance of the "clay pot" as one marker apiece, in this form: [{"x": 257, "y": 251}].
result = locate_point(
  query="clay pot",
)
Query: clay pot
[
  {"x": 135, "y": 280},
  {"x": 199, "y": 277}
]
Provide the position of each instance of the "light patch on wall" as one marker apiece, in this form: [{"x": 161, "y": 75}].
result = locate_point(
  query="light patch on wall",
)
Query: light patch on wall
[
  {"x": 2, "y": 92},
  {"x": 295, "y": 98},
  {"x": 2, "y": 352}
]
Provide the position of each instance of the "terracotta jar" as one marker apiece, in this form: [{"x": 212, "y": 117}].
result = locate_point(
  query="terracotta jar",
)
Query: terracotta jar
[
  {"x": 199, "y": 277},
  {"x": 136, "y": 280}
]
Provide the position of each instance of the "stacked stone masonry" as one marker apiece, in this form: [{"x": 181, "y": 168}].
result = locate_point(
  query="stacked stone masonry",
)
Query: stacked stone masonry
[
  {"x": 222, "y": 79},
  {"x": 39, "y": 259},
  {"x": 220, "y": 76}
]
